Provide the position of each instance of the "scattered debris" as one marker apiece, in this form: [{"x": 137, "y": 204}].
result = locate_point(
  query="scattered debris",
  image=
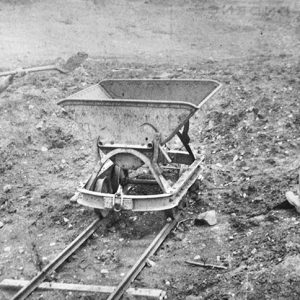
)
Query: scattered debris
[
  {"x": 167, "y": 283},
  {"x": 104, "y": 271},
  {"x": 196, "y": 263},
  {"x": 45, "y": 260},
  {"x": 44, "y": 149},
  {"x": 208, "y": 217},
  {"x": 150, "y": 263},
  {"x": 183, "y": 221},
  {"x": 7, "y": 188},
  {"x": 7, "y": 249}
]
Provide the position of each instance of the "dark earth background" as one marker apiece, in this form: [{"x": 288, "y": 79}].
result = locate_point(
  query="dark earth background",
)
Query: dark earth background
[{"x": 249, "y": 133}]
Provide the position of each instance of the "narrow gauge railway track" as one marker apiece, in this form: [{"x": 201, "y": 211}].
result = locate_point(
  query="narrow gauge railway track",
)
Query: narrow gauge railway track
[{"x": 117, "y": 293}]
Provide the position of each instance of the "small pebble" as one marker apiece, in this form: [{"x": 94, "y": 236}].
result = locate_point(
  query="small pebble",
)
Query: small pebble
[
  {"x": 45, "y": 259},
  {"x": 197, "y": 257},
  {"x": 74, "y": 198},
  {"x": 7, "y": 188},
  {"x": 44, "y": 149},
  {"x": 7, "y": 249},
  {"x": 39, "y": 125}
]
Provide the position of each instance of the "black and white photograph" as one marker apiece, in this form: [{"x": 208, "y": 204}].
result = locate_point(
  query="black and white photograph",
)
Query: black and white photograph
[{"x": 150, "y": 149}]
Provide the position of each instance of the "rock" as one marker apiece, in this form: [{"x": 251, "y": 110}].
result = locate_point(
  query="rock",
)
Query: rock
[
  {"x": 294, "y": 200},
  {"x": 39, "y": 126},
  {"x": 44, "y": 149},
  {"x": 258, "y": 219},
  {"x": 45, "y": 260},
  {"x": 74, "y": 198},
  {"x": 208, "y": 217},
  {"x": 167, "y": 283},
  {"x": 5, "y": 82},
  {"x": 104, "y": 271},
  {"x": 1, "y": 224},
  {"x": 7, "y": 249},
  {"x": 150, "y": 263},
  {"x": 7, "y": 188}
]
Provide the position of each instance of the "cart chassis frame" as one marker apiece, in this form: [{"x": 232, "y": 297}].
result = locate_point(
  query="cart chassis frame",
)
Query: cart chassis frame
[{"x": 150, "y": 157}]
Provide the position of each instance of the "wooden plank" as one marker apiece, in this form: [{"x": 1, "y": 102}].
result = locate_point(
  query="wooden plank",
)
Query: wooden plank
[{"x": 48, "y": 286}]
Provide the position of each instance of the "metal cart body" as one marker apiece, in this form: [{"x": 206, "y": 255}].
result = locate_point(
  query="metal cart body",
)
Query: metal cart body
[{"x": 131, "y": 122}]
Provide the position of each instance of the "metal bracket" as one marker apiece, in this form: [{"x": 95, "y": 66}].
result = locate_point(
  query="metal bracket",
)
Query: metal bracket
[{"x": 185, "y": 139}]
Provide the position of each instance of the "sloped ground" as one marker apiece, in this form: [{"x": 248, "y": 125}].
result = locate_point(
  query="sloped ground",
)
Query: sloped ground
[{"x": 249, "y": 133}]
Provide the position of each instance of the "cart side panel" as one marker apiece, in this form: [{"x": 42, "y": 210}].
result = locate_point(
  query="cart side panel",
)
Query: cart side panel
[
  {"x": 191, "y": 91},
  {"x": 93, "y": 92},
  {"x": 120, "y": 122}
]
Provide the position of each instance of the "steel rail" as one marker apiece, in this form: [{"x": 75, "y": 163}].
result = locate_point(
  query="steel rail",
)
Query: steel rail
[
  {"x": 140, "y": 264},
  {"x": 58, "y": 261}
]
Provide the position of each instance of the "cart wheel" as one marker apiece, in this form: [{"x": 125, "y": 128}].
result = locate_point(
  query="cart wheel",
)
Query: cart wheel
[
  {"x": 102, "y": 186},
  {"x": 117, "y": 177},
  {"x": 171, "y": 213}
]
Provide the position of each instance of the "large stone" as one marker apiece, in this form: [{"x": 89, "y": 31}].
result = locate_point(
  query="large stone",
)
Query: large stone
[
  {"x": 294, "y": 200},
  {"x": 208, "y": 217}
]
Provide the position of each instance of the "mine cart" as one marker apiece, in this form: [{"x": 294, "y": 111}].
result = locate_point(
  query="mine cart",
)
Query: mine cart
[{"x": 136, "y": 126}]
